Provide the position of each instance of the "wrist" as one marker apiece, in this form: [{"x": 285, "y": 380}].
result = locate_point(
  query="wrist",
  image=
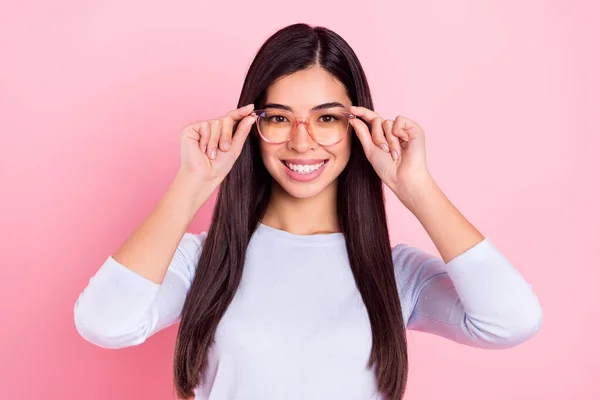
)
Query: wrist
[
  {"x": 192, "y": 191},
  {"x": 419, "y": 194}
]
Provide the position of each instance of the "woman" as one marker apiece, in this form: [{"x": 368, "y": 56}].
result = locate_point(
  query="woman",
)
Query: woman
[{"x": 294, "y": 292}]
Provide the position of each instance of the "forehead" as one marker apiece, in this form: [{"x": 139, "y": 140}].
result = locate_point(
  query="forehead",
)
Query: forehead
[{"x": 306, "y": 88}]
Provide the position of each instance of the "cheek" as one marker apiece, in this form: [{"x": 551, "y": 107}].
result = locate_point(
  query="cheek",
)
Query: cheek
[
  {"x": 268, "y": 155},
  {"x": 265, "y": 151},
  {"x": 342, "y": 151}
]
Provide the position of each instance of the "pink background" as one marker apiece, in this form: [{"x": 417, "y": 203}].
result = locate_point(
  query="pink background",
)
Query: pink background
[{"x": 93, "y": 95}]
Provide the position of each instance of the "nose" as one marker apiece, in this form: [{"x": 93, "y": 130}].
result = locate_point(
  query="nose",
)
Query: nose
[{"x": 301, "y": 141}]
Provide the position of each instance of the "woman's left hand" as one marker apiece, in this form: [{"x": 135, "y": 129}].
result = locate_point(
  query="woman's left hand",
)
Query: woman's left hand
[{"x": 395, "y": 148}]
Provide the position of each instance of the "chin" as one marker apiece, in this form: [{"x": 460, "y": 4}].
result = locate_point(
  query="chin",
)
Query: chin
[{"x": 302, "y": 191}]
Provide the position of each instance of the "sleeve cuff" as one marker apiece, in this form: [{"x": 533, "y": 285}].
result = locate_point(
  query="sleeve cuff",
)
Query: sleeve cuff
[{"x": 138, "y": 288}]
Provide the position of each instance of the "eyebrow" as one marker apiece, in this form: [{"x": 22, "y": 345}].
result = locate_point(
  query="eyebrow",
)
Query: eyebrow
[{"x": 323, "y": 106}]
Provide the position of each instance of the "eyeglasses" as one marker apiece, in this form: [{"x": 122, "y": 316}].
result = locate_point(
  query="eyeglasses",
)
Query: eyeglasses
[{"x": 325, "y": 127}]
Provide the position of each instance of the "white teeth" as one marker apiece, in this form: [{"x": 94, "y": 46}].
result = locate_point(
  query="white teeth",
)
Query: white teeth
[{"x": 304, "y": 169}]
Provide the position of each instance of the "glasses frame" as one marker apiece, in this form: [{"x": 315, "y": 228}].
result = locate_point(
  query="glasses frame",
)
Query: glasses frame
[{"x": 299, "y": 121}]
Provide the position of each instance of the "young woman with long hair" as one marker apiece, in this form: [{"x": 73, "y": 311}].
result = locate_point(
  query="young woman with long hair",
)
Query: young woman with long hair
[{"x": 295, "y": 291}]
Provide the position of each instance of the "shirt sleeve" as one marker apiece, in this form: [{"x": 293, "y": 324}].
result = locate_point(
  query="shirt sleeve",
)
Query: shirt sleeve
[
  {"x": 477, "y": 299},
  {"x": 120, "y": 308}
]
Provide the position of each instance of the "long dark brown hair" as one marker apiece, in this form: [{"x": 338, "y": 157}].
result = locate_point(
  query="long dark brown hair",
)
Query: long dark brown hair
[{"x": 242, "y": 201}]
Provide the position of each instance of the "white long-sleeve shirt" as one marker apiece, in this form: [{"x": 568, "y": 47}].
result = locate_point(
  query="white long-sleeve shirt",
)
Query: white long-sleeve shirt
[{"x": 297, "y": 327}]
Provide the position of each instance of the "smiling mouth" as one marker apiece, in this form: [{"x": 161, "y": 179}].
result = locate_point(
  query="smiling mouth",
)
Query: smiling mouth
[{"x": 304, "y": 169}]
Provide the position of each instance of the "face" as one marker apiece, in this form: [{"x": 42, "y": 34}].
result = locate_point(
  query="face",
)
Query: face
[{"x": 302, "y": 91}]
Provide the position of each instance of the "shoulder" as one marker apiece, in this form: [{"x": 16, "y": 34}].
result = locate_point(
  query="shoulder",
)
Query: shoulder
[
  {"x": 191, "y": 244},
  {"x": 408, "y": 259},
  {"x": 413, "y": 267},
  {"x": 187, "y": 254}
]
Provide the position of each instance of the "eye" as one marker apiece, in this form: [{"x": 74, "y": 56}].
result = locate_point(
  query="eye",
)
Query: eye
[
  {"x": 277, "y": 118},
  {"x": 328, "y": 118}
]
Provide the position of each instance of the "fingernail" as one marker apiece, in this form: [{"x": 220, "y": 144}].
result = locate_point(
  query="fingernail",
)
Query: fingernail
[
  {"x": 394, "y": 155},
  {"x": 226, "y": 145},
  {"x": 247, "y": 106},
  {"x": 213, "y": 153},
  {"x": 385, "y": 147}
]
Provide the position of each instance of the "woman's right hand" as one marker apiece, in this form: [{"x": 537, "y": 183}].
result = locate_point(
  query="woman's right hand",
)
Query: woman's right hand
[{"x": 208, "y": 148}]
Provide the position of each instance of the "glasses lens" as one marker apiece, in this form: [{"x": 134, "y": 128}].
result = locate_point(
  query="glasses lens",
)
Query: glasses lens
[
  {"x": 328, "y": 126},
  {"x": 276, "y": 125}
]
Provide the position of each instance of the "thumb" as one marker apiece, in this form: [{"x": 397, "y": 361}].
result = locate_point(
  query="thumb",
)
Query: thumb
[
  {"x": 241, "y": 133},
  {"x": 364, "y": 135}
]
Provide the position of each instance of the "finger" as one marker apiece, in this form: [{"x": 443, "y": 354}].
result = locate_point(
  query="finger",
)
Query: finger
[
  {"x": 241, "y": 133},
  {"x": 227, "y": 124},
  {"x": 204, "y": 131},
  {"x": 404, "y": 128},
  {"x": 362, "y": 131},
  {"x": 191, "y": 131},
  {"x": 377, "y": 134},
  {"x": 393, "y": 141},
  {"x": 365, "y": 113},
  {"x": 215, "y": 132},
  {"x": 241, "y": 112},
  {"x": 227, "y": 127}
]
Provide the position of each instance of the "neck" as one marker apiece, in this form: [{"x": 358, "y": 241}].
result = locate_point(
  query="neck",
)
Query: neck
[{"x": 303, "y": 216}]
